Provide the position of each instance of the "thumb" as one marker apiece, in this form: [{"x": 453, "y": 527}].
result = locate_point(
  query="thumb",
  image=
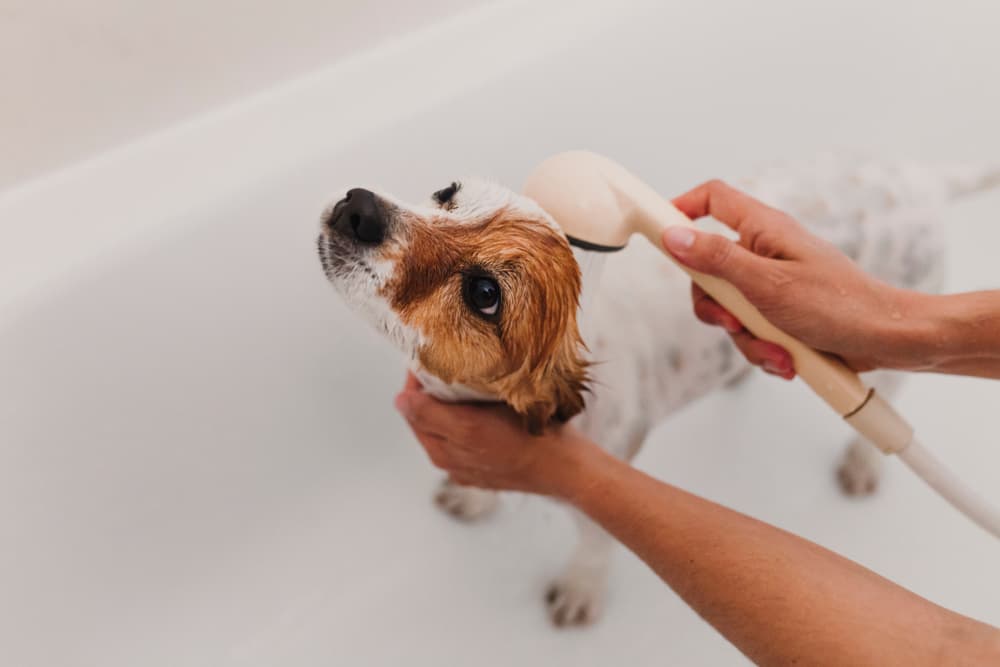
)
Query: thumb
[{"x": 713, "y": 254}]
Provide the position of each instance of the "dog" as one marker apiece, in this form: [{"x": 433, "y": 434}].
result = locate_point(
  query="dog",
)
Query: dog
[{"x": 479, "y": 288}]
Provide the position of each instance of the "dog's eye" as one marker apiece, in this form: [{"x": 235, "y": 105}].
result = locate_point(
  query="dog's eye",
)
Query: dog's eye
[
  {"x": 443, "y": 197},
  {"x": 483, "y": 295}
]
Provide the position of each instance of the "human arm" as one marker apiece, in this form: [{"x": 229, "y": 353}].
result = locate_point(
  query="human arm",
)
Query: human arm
[
  {"x": 808, "y": 288},
  {"x": 777, "y": 597}
]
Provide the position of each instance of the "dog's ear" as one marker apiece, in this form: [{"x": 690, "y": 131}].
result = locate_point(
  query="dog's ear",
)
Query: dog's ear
[
  {"x": 553, "y": 394},
  {"x": 544, "y": 374},
  {"x": 567, "y": 392},
  {"x": 552, "y": 379},
  {"x": 551, "y": 383}
]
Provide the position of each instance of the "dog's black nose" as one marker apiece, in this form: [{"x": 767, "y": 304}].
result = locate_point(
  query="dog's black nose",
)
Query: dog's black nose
[{"x": 360, "y": 217}]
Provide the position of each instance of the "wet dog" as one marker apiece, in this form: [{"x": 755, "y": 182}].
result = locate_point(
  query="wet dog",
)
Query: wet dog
[{"x": 479, "y": 289}]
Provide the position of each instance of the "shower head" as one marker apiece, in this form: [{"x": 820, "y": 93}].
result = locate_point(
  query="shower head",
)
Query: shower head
[{"x": 598, "y": 202}]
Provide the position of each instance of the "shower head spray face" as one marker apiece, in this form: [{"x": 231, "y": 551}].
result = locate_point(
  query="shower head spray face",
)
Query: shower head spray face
[{"x": 597, "y": 202}]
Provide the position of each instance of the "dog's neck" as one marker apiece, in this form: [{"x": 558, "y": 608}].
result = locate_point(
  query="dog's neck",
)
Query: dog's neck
[{"x": 452, "y": 393}]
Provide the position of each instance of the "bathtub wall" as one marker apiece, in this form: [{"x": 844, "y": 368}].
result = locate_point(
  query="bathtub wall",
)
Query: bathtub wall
[{"x": 82, "y": 77}]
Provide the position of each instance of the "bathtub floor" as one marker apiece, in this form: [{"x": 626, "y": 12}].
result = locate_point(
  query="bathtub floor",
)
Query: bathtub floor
[{"x": 202, "y": 490}]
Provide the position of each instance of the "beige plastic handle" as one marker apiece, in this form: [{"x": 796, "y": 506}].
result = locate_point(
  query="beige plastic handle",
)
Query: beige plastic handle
[{"x": 834, "y": 382}]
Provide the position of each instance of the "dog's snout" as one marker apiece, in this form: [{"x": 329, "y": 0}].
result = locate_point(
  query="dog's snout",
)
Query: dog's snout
[{"x": 360, "y": 217}]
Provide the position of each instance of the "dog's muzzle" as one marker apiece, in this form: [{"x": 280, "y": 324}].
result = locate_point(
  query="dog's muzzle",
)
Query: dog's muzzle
[{"x": 359, "y": 218}]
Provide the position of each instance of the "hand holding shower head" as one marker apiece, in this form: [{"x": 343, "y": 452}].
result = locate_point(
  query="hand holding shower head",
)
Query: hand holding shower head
[
  {"x": 597, "y": 201},
  {"x": 599, "y": 204}
]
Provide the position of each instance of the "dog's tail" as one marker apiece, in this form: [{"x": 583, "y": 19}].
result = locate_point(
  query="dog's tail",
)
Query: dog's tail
[
  {"x": 964, "y": 179},
  {"x": 873, "y": 183}
]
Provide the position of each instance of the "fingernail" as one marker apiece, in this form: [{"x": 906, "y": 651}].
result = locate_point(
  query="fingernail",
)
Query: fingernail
[
  {"x": 678, "y": 238},
  {"x": 731, "y": 325},
  {"x": 774, "y": 367}
]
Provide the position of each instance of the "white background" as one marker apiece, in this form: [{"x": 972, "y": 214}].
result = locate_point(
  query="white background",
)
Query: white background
[{"x": 199, "y": 463}]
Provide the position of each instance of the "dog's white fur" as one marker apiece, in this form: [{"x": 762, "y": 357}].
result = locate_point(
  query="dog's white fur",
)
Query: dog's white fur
[{"x": 655, "y": 356}]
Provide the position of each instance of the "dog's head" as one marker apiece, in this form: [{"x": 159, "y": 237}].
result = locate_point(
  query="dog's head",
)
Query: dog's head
[{"x": 478, "y": 286}]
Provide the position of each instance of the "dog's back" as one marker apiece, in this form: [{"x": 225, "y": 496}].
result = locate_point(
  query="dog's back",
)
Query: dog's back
[{"x": 654, "y": 357}]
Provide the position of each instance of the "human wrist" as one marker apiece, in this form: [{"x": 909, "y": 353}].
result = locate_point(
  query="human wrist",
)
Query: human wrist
[
  {"x": 902, "y": 339},
  {"x": 917, "y": 331},
  {"x": 569, "y": 473},
  {"x": 959, "y": 328}
]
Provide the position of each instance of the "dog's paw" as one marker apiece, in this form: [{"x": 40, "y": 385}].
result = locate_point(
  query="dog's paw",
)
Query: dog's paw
[
  {"x": 465, "y": 502},
  {"x": 860, "y": 470},
  {"x": 575, "y": 600}
]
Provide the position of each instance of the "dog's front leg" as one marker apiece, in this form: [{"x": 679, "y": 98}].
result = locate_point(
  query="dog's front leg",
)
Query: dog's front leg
[
  {"x": 576, "y": 596},
  {"x": 465, "y": 502}
]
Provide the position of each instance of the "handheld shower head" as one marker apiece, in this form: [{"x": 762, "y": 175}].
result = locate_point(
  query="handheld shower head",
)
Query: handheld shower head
[
  {"x": 599, "y": 205},
  {"x": 598, "y": 202}
]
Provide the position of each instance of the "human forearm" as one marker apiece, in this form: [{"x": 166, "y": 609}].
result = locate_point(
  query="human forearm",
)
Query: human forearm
[
  {"x": 777, "y": 597},
  {"x": 956, "y": 333}
]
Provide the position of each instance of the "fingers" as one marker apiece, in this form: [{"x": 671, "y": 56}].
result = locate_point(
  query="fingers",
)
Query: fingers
[
  {"x": 723, "y": 202},
  {"x": 412, "y": 383},
  {"x": 436, "y": 448},
  {"x": 427, "y": 418},
  {"x": 442, "y": 455},
  {"x": 764, "y": 230},
  {"x": 770, "y": 357},
  {"x": 710, "y": 312},
  {"x": 444, "y": 425},
  {"x": 717, "y": 256},
  {"x": 426, "y": 414},
  {"x": 443, "y": 431}
]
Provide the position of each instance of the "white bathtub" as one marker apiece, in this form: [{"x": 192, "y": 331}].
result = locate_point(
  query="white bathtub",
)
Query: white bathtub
[{"x": 199, "y": 461}]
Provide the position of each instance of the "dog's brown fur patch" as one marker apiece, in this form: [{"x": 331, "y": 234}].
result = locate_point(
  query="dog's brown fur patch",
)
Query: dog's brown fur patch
[{"x": 531, "y": 357}]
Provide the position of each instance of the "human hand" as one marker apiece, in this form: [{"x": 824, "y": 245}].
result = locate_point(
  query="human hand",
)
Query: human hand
[
  {"x": 800, "y": 283},
  {"x": 487, "y": 445}
]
